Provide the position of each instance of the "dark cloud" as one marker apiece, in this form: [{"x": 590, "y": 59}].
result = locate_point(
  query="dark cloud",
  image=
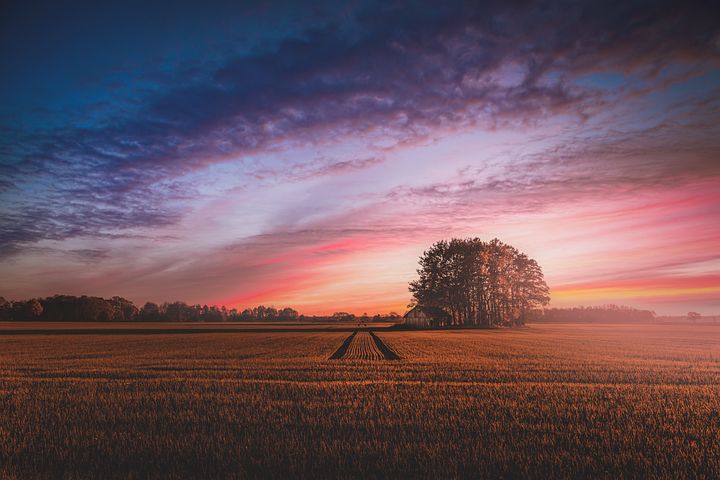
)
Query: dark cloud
[
  {"x": 388, "y": 70},
  {"x": 89, "y": 255},
  {"x": 66, "y": 217},
  {"x": 318, "y": 167}
]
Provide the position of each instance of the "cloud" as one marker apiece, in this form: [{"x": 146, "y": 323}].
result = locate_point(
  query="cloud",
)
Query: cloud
[
  {"x": 596, "y": 162},
  {"x": 387, "y": 73}
]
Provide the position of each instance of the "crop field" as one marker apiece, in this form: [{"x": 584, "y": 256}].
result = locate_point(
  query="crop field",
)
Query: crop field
[{"x": 600, "y": 401}]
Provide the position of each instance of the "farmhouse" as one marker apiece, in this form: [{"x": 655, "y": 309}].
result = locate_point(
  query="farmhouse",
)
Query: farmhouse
[{"x": 423, "y": 317}]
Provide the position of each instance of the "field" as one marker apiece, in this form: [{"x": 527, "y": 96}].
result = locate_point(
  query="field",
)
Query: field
[{"x": 537, "y": 402}]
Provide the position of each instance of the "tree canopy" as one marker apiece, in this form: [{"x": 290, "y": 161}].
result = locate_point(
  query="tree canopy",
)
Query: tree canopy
[{"x": 479, "y": 283}]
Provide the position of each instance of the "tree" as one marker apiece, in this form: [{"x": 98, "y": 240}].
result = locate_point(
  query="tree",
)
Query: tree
[
  {"x": 5, "y": 310},
  {"x": 27, "y": 311},
  {"x": 694, "y": 316},
  {"x": 479, "y": 283},
  {"x": 288, "y": 313},
  {"x": 343, "y": 317},
  {"x": 125, "y": 310},
  {"x": 150, "y": 312}
]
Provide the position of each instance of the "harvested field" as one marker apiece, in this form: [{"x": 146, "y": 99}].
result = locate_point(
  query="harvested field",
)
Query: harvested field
[{"x": 546, "y": 401}]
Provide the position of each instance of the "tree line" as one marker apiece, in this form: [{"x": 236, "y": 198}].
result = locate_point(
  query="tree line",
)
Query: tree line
[
  {"x": 594, "y": 314},
  {"x": 479, "y": 283},
  {"x": 69, "y": 308}
]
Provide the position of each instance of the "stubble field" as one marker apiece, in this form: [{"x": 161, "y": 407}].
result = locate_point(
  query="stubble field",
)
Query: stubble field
[{"x": 538, "y": 402}]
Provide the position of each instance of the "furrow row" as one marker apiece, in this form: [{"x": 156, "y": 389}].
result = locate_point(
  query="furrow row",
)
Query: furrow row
[{"x": 364, "y": 346}]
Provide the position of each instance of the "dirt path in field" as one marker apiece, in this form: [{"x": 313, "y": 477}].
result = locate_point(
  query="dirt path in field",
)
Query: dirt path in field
[{"x": 364, "y": 346}]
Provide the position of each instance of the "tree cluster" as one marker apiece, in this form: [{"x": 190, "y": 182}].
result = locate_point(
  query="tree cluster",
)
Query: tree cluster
[
  {"x": 479, "y": 283},
  {"x": 364, "y": 318},
  {"x": 182, "y": 312},
  {"x": 68, "y": 308},
  {"x": 593, "y": 314}
]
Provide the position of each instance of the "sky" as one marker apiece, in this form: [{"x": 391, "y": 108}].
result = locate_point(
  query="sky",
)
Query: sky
[{"x": 305, "y": 155}]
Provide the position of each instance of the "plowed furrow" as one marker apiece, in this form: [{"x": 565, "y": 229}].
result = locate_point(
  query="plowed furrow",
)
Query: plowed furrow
[
  {"x": 364, "y": 346},
  {"x": 387, "y": 352},
  {"x": 340, "y": 352}
]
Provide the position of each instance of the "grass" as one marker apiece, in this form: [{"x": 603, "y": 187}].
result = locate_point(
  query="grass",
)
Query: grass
[{"x": 544, "y": 401}]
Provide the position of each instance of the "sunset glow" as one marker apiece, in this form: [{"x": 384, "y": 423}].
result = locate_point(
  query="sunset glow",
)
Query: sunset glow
[{"x": 307, "y": 157}]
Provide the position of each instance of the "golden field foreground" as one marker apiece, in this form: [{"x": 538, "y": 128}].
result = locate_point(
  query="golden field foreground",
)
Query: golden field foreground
[{"x": 542, "y": 401}]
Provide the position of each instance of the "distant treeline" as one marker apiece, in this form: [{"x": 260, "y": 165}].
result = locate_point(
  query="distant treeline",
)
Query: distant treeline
[
  {"x": 68, "y": 308},
  {"x": 596, "y": 314}
]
